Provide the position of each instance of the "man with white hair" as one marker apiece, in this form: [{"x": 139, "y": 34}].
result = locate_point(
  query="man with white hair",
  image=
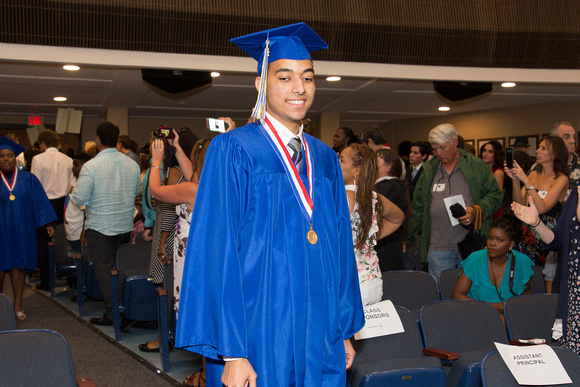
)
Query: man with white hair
[{"x": 453, "y": 175}]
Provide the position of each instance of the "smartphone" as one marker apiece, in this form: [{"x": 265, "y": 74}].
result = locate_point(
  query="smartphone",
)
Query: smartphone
[
  {"x": 509, "y": 157},
  {"x": 165, "y": 131},
  {"x": 216, "y": 125}
]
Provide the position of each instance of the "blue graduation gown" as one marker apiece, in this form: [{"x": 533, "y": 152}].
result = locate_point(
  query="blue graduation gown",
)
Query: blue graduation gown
[
  {"x": 252, "y": 285},
  {"x": 19, "y": 220}
]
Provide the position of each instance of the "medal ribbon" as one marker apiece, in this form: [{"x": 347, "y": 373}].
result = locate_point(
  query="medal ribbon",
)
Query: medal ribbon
[
  {"x": 303, "y": 196},
  {"x": 14, "y": 177}
]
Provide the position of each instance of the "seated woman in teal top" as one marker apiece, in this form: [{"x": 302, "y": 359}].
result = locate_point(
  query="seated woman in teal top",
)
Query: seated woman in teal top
[{"x": 496, "y": 273}]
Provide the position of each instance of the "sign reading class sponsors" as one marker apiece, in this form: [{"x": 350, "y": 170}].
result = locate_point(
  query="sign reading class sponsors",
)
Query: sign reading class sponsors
[{"x": 381, "y": 319}]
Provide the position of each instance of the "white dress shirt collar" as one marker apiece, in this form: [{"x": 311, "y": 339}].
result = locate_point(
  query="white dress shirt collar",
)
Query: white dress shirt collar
[
  {"x": 417, "y": 167},
  {"x": 285, "y": 134},
  {"x": 384, "y": 178}
]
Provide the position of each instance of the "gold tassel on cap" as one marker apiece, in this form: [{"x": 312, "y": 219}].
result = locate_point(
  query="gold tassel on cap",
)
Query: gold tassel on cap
[{"x": 259, "y": 111}]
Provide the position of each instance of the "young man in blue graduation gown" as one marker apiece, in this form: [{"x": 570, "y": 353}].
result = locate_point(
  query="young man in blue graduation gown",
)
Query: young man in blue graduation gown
[{"x": 270, "y": 281}]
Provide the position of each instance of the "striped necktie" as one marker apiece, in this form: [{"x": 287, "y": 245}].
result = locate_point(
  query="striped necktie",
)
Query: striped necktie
[{"x": 296, "y": 146}]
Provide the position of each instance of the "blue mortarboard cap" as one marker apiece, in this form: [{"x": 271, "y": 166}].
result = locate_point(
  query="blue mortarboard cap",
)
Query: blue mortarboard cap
[
  {"x": 294, "y": 41},
  {"x": 6, "y": 143}
]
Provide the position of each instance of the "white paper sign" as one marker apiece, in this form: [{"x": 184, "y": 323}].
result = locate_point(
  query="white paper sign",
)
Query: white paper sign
[
  {"x": 536, "y": 365},
  {"x": 381, "y": 319},
  {"x": 451, "y": 200}
]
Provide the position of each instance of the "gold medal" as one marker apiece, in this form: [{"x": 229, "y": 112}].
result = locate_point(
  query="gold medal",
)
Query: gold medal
[
  {"x": 12, "y": 197},
  {"x": 311, "y": 236}
]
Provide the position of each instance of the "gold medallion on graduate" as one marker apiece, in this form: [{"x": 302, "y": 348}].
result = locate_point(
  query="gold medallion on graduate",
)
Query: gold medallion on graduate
[
  {"x": 12, "y": 197},
  {"x": 311, "y": 236}
]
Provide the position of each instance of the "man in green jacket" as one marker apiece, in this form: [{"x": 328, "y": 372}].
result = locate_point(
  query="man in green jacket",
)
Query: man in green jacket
[{"x": 452, "y": 176}]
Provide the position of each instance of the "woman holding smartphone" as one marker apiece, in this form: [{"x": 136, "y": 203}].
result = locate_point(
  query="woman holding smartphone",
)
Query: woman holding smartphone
[{"x": 545, "y": 186}]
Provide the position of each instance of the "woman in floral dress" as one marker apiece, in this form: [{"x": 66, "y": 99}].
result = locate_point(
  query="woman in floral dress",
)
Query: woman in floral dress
[{"x": 372, "y": 217}]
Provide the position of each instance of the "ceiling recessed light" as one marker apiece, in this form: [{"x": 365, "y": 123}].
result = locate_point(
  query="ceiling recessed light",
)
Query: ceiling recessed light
[
  {"x": 333, "y": 79},
  {"x": 508, "y": 84},
  {"x": 71, "y": 67},
  {"x": 444, "y": 108},
  {"x": 215, "y": 74},
  {"x": 59, "y": 99}
]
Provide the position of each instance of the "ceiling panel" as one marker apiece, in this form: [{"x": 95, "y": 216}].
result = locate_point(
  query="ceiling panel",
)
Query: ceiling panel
[{"x": 28, "y": 88}]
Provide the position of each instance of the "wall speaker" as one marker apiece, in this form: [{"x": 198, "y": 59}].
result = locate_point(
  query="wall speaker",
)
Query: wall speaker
[
  {"x": 459, "y": 91},
  {"x": 176, "y": 81}
]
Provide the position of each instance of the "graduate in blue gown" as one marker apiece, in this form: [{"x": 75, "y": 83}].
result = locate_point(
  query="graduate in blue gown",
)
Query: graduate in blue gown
[
  {"x": 24, "y": 207},
  {"x": 270, "y": 279}
]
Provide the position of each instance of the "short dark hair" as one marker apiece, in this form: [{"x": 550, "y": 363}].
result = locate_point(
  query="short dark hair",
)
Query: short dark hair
[
  {"x": 390, "y": 157},
  {"x": 374, "y": 134},
  {"x": 187, "y": 140},
  {"x": 404, "y": 148},
  {"x": 348, "y": 132},
  {"x": 82, "y": 157},
  {"x": 424, "y": 147},
  {"x": 49, "y": 138},
  {"x": 108, "y": 134},
  {"x": 125, "y": 141}
]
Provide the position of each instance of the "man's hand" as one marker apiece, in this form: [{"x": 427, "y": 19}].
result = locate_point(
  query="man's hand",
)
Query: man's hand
[
  {"x": 229, "y": 122},
  {"x": 469, "y": 216},
  {"x": 350, "y": 353},
  {"x": 239, "y": 373},
  {"x": 50, "y": 231}
]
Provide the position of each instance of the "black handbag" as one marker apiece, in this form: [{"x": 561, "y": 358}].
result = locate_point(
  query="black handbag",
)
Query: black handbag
[{"x": 473, "y": 241}]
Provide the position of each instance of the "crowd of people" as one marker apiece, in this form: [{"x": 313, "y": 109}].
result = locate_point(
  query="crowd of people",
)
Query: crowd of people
[{"x": 278, "y": 241}]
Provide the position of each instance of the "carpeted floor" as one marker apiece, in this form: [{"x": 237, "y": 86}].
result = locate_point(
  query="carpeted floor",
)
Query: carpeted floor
[{"x": 94, "y": 355}]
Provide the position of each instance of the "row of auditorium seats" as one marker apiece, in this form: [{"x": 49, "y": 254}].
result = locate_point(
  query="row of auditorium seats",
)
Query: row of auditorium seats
[
  {"x": 450, "y": 342},
  {"x": 412, "y": 289},
  {"x": 23, "y": 360},
  {"x": 135, "y": 297}
]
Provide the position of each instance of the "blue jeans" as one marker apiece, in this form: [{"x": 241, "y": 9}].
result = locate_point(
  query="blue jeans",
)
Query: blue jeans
[{"x": 440, "y": 261}]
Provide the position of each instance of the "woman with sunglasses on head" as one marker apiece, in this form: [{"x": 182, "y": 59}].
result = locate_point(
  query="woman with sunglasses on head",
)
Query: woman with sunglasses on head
[
  {"x": 498, "y": 272},
  {"x": 372, "y": 217}
]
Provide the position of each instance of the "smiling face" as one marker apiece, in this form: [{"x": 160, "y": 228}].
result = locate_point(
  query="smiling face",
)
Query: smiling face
[
  {"x": 289, "y": 91},
  {"x": 7, "y": 160},
  {"x": 498, "y": 243},
  {"x": 349, "y": 171},
  {"x": 488, "y": 154}
]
